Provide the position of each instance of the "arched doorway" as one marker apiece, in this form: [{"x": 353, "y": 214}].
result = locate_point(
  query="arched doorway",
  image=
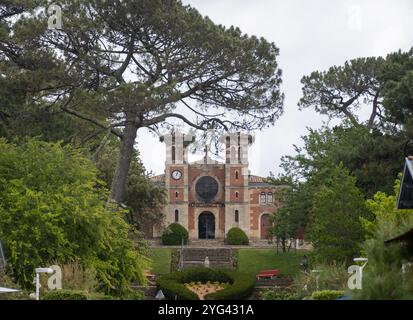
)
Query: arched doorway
[
  {"x": 206, "y": 226},
  {"x": 265, "y": 226}
]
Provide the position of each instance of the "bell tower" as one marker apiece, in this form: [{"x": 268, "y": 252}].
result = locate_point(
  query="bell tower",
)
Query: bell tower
[
  {"x": 236, "y": 181},
  {"x": 176, "y": 177}
]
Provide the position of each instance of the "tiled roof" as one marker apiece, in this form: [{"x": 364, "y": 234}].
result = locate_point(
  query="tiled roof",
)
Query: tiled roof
[{"x": 256, "y": 179}]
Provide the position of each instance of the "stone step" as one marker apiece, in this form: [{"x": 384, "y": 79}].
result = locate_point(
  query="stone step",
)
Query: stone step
[
  {"x": 218, "y": 257},
  {"x": 213, "y": 254},
  {"x": 206, "y": 243},
  {"x": 212, "y": 264}
]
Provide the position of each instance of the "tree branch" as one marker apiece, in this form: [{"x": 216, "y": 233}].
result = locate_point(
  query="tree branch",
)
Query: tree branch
[
  {"x": 94, "y": 121},
  {"x": 163, "y": 117}
]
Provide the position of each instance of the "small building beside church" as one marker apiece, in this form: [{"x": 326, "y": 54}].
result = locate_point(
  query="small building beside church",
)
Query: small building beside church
[{"x": 209, "y": 197}]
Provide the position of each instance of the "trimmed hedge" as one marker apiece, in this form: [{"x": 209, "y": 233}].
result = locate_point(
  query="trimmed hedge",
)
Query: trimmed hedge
[
  {"x": 326, "y": 295},
  {"x": 241, "y": 285},
  {"x": 272, "y": 294},
  {"x": 236, "y": 236},
  {"x": 84, "y": 295},
  {"x": 174, "y": 234},
  {"x": 65, "y": 295}
]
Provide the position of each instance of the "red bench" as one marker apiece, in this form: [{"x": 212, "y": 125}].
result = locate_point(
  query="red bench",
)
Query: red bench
[{"x": 268, "y": 274}]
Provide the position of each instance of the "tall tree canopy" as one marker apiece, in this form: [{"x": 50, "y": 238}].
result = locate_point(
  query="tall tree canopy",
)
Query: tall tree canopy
[
  {"x": 381, "y": 84},
  {"x": 133, "y": 62},
  {"x": 371, "y": 156},
  {"x": 341, "y": 90}
]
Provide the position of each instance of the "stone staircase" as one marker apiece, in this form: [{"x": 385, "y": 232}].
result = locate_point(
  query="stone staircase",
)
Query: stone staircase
[
  {"x": 201, "y": 243},
  {"x": 218, "y": 257}
]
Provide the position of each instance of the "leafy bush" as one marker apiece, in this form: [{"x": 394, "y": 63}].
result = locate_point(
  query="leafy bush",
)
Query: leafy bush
[
  {"x": 240, "y": 285},
  {"x": 51, "y": 198},
  {"x": 173, "y": 288},
  {"x": 129, "y": 295},
  {"x": 173, "y": 235},
  {"x": 132, "y": 295},
  {"x": 326, "y": 295},
  {"x": 236, "y": 236},
  {"x": 65, "y": 295},
  {"x": 274, "y": 294}
]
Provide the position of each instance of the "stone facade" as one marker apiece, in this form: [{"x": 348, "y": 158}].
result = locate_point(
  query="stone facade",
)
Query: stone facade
[{"x": 208, "y": 197}]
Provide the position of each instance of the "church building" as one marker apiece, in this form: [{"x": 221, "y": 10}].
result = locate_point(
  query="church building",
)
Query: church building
[{"x": 209, "y": 197}]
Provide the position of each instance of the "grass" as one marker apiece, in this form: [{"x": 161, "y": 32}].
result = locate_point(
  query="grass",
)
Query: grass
[
  {"x": 252, "y": 261},
  {"x": 161, "y": 260}
]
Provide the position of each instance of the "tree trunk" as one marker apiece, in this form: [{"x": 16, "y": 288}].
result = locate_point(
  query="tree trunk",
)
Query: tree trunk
[
  {"x": 283, "y": 244},
  {"x": 122, "y": 167}
]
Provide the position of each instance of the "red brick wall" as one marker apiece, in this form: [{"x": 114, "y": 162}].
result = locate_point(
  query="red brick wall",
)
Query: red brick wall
[
  {"x": 174, "y": 182},
  {"x": 256, "y": 209},
  {"x": 254, "y": 217},
  {"x": 216, "y": 172},
  {"x": 232, "y": 176},
  {"x": 232, "y": 196},
  {"x": 172, "y": 195}
]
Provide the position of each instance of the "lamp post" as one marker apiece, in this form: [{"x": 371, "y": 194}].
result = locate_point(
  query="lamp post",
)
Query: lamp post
[
  {"x": 361, "y": 260},
  {"x": 38, "y": 272},
  {"x": 317, "y": 277},
  {"x": 181, "y": 256}
]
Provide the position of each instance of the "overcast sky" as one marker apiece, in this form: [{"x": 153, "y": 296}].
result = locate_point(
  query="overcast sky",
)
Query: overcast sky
[{"x": 311, "y": 35}]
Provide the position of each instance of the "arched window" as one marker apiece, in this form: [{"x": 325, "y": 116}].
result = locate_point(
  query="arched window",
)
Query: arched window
[
  {"x": 236, "y": 216},
  {"x": 239, "y": 154},
  {"x": 236, "y": 194},
  {"x": 262, "y": 198},
  {"x": 176, "y": 194},
  {"x": 269, "y": 197},
  {"x": 236, "y": 175},
  {"x": 173, "y": 153},
  {"x": 176, "y": 215}
]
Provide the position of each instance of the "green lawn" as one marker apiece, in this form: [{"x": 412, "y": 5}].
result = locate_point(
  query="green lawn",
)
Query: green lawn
[
  {"x": 254, "y": 260},
  {"x": 161, "y": 260},
  {"x": 250, "y": 261}
]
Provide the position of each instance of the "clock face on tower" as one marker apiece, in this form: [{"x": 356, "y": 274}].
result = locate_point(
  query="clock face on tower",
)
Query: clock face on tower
[{"x": 176, "y": 174}]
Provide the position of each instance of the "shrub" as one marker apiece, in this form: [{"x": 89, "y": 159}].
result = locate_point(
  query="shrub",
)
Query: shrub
[
  {"x": 130, "y": 295},
  {"x": 51, "y": 198},
  {"x": 174, "y": 234},
  {"x": 236, "y": 236},
  {"x": 326, "y": 295},
  {"x": 65, "y": 295},
  {"x": 240, "y": 285},
  {"x": 279, "y": 295},
  {"x": 133, "y": 295}
]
